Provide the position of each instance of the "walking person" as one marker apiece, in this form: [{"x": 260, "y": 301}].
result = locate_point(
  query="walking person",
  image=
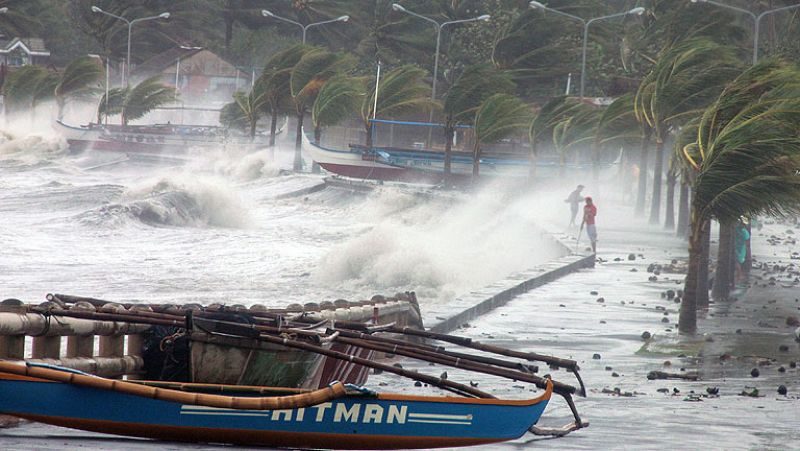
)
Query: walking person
[
  {"x": 589, "y": 212},
  {"x": 740, "y": 238},
  {"x": 574, "y": 199}
]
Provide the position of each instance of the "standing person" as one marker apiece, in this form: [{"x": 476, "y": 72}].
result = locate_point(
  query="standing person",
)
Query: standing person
[
  {"x": 589, "y": 212},
  {"x": 574, "y": 199},
  {"x": 740, "y": 239}
]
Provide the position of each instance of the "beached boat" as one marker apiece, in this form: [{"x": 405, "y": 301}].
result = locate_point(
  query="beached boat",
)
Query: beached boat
[
  {"x": 334, "y": 417},
  {"x": 171, "y": 138},
  {"x": 427, "y": 166}
]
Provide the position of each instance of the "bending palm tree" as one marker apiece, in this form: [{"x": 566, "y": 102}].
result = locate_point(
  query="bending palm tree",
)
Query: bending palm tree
[
  {"x": 336, "y": 101},
  {"x": 311, "y": 72},
  {"x": 543, "y": 123},
  {"x": 80, "y": 80},
  {"x": 683, "y": 82},
  {"x": 498, "y": 117},
  {"x": 747, "y": 148},
  {"x": 274, "y": 83},
  {"x": 401, "y": 90},
  {"x": 471, "y": 88}
]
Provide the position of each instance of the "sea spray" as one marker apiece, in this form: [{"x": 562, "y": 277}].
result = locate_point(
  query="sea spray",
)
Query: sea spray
[{"x": 437, "y": 247}]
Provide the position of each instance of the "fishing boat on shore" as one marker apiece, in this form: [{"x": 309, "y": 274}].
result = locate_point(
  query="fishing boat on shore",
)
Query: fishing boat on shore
[
  {"x": 338, "y": 417},
  {"x": 156, "y": 138},
  {"x": 331, "y": 415},
  {"x": 427, "y": 166}
]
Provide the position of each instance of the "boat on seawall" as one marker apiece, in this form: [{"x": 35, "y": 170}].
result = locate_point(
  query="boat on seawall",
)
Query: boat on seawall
[
  {"x": 326, "y": 418},
  {"x": 421, "y": 166},
  {"x": 153, "y": 138}
]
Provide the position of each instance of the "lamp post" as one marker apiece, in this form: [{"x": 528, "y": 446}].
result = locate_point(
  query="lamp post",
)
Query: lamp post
[
  {"x": 536, "y": 5},
  {"x": 130, "y": 23},
  {"x": 439, "y": 26},
  {"x": 756, "y": 19},
  {"x": 267, "y": 13}
]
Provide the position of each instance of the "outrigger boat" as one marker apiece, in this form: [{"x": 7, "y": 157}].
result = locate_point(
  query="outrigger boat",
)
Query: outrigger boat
[
  {"x": 170, "y": 138},
  {"x": 337, "y": 416},
  {"x": 427, "y": 166}
]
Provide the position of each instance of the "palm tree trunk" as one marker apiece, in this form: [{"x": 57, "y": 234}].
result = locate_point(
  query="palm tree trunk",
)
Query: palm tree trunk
[
  {"x": 669, "y": 221},
  {"x": 724, "y": 275},
  {"x": 273, "y": 129},
  {"x": 595, "y": 161},
  {"x": 683, "y": 208},
  {"x": 253, "y": 130},
  {"x": 318, "y": 134},
  {"x": 448, "y": 153},
  {"x": 298, "y": 143},
  {"x": 476, "y": 160},
  {"x": 640, "y": 200},
  {"x": 701, "y": 295},
  {"x": 532, "y": 162},
  {"x": 658, "y": 168},
  {"x": 687, "y": 321}
]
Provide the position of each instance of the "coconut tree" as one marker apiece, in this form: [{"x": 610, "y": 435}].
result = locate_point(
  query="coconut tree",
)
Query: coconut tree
[
  {"x": 274, "y": 84},
  {"x": 686, "y": 78},
  {"x": 617, "y": 128},
  {"x": 312, "y": 70},
  {"x": 400, "y": 90},
  {"x": 137, "y": 100},
  {"x": 496, "y": 118},
  {"x": 80, "y": 80},
  {"x": 748, "y": 145},
  {"x": 544, "y": 121},
  {"x": 112, "y": 104},
  {"x": 575, "y": 131},
  {"x": 474, "y": 85},
  {"x": 245, "y": 110},
  {"x": 21, "y": 87},
  {"x": 337, "y": 100}
]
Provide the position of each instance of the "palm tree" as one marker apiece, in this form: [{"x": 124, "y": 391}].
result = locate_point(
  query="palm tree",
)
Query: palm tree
[
  {"x": 78, "y": 81},
  {"x": 686, "y": 78},
  {"x": 747, "y": 148},
  {"x": 21, "y": 86},
  {"x": 497, "y": 117},
  {"x": 112, "y": 105},
  {"x": 337, "y": 100},
  {"x": 575, "y": 130},
  {"x": 616, "y": 127},
  {"x": 471, "y": 88},
  {"x": 244, "y": 111},
  {"x": 544, "y": 121},
  {"x": 135, "y": 102},
  {"x": 401, "y": 90},
  {"x": 274, "y": 84},
  {"x": 314, "y": 68}
]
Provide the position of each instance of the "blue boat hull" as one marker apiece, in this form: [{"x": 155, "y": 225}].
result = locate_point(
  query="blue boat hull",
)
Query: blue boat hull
[{"x": 354, "y": 421}]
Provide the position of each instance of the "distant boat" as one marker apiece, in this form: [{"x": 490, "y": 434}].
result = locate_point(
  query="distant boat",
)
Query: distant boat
[
  {"x": 427, "y": 166},
  {"x": 171, "y": 138}
]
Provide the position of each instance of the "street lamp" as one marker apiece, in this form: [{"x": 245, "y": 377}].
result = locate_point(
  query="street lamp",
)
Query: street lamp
[
  {"x": 536, "y": 5},
  {"x": 756, "y": 19},
  {"x": 267, "y": 13},
  {"x": 130, "y": 23},
  {"x": 439, "y": 26}
]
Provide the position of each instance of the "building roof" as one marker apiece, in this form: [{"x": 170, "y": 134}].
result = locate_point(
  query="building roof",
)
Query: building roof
[
  {"x": 31, "y": 46},
  {"x": 197, "y": 60}
]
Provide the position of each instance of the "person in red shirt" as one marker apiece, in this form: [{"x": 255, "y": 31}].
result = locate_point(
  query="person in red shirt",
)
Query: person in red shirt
[{"x": 589, "y": 212}]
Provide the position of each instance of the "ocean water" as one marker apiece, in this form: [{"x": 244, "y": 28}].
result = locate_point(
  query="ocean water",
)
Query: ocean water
[{"x": 225, "y": 226}]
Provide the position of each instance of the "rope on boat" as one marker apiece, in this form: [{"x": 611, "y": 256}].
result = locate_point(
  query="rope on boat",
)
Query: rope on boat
[{"x": 333, "y": 391}]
